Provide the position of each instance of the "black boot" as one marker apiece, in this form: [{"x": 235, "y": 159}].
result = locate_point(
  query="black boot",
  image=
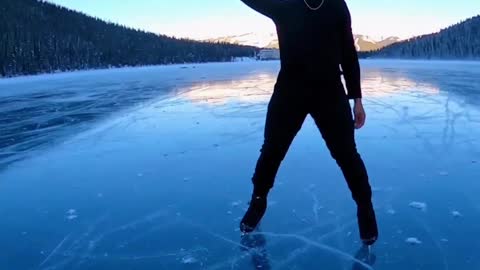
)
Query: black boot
[
  {"x": 255, "y": 212},
  {"x": 367, "y": 224}
]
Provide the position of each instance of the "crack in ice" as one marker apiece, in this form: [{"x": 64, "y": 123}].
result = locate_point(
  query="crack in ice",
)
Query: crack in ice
[
  {"x": 55, "y": 250},
  {"x": 318, "y": 245}
]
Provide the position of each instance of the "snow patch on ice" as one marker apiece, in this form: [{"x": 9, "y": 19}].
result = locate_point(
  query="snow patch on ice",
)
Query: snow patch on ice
[
  {"x": 236, "y": 203},
  {"x": 413, "y": 241},
  {"x": 419, "y": 205},
  {"x": 391, "y": 212},
  {"x": 456, "y": 214},
  {"x": 189, "y": 259},
  {"x": 71, "y": 214}
]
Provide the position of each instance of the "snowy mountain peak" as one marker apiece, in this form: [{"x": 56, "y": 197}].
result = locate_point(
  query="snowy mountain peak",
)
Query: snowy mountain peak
[
  {"x": 270, "y": 40},
  {"x": 368, "y": 43},
  {"x": 262, "y": 40}
]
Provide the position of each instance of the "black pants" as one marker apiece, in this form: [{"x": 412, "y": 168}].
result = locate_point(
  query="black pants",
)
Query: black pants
[{"x": 332, "y": 113}]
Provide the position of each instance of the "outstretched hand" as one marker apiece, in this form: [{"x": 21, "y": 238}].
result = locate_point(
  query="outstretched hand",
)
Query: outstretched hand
[{"x": 359, "y": 113}]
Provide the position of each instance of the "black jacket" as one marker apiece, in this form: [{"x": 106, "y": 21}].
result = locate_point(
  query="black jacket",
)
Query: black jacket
[{"x": 314, "y": 44}]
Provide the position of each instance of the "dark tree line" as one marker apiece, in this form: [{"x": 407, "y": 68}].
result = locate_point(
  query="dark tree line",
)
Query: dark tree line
[
  {"x": 460, "y": 41},
  {"x": 37, "y": 37}
]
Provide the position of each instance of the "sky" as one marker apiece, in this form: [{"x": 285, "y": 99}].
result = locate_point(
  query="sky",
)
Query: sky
[{"x": 201, "y": 19}]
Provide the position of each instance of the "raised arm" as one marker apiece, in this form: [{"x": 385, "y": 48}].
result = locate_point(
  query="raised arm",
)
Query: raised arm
[
  {"x": 350, "y": 64},
  {"x": 269, "y": 8}
]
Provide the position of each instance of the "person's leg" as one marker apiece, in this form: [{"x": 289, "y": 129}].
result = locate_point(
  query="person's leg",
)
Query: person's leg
[
  {"x": 286, "y": 114},
  {"x": 335, "y": 121}
]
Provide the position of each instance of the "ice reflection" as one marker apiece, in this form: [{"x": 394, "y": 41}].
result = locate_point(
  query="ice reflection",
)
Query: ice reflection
[
  {"x": 161, "y": 186},
  {"x": 383, "y": 84},
  {"x": 37, "y": 111},
  {"x": 255, "y": 89},
  {"x": 32, "y": 120},
  {"x": 258, "y": 89}
]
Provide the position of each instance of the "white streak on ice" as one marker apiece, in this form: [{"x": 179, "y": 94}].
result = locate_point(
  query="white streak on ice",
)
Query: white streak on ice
[
  {"x": 315, "y": 209},
  {"x": 55, "y": 250},
  {"x": 292, "y": 256},
  {"x": 435, "y": 241}
]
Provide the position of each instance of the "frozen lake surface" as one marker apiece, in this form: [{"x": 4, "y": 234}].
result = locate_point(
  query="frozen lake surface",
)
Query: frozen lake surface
[{"x": 149, "y": 168}]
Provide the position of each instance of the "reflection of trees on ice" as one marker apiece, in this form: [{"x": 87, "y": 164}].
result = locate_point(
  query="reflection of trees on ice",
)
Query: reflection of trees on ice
[{"x": 424, "y": 91}]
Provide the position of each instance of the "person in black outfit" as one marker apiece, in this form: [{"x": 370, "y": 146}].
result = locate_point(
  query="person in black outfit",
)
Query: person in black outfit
[{"x": 316, "y": 48}]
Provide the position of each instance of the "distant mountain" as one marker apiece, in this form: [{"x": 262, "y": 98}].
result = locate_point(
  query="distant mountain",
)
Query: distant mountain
[
  {"x": 366, "y": 43},
  {"x": 261, "y": 40},
  {"x": 38, "y": 37},
  {"x": 459, "y": 41},
  {"x": 270, "y": 40}
]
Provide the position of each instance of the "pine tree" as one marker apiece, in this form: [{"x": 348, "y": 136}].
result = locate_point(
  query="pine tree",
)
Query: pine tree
[
  {"x": 37, "y": 36},
  {"x": 460, "y": 41}
]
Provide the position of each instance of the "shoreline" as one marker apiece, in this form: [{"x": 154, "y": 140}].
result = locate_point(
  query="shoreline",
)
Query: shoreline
[{"x": 187, "y": 65}]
